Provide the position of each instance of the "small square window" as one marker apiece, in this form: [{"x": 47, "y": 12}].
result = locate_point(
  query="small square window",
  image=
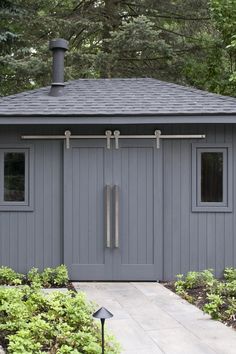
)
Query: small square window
[
  {"x": 16, "y": 179},
  {"x": 211, "y": 178}
]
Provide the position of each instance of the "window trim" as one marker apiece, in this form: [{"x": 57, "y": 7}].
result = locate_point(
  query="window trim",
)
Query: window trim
[
  {"x": 28, "y": 204},
  {"x": 226, "y": 204}
]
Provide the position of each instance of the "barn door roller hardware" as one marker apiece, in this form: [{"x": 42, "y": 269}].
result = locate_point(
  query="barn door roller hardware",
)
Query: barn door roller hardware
[
  {"x": 116, "y": 135},
  {"x": 68, "y": 136},
  {"x": 157, "y": 136}
]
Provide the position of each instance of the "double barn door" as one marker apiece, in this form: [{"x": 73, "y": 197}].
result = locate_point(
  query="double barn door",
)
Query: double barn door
[{"x": 113, "y": 210}]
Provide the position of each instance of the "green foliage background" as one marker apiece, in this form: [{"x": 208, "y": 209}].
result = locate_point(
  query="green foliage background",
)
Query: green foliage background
[{"x": 192, "y": 42}]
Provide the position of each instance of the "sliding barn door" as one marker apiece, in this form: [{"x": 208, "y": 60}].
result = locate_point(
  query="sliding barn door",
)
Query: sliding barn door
[
  {"x": 86, "y": 173},
  {"x": 137, "y": 177},
  {"x": 113, "y": 210}
]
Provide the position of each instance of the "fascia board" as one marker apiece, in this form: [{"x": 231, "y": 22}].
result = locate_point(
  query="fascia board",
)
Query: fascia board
[{"x": 99, "y": 120}]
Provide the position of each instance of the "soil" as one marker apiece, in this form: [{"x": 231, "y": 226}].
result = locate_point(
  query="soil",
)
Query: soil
[
  {"x": 199, "y": 298},
  {"x": 71, "y": 287}
]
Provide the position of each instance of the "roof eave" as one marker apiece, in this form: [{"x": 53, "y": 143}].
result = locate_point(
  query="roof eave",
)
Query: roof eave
[{"x": 179, "y": 118}]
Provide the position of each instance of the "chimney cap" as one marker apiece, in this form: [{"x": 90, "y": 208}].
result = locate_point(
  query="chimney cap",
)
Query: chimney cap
[{"x": 58, "y": 43}]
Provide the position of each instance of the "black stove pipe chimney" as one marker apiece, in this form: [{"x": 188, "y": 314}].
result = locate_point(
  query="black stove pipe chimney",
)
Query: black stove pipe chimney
[{"x": 58, "y": 47}]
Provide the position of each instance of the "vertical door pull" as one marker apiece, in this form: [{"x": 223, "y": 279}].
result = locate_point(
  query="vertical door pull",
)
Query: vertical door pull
[
  {"x": 117, "y": 216},
  {"x": 108, "y": 215}
]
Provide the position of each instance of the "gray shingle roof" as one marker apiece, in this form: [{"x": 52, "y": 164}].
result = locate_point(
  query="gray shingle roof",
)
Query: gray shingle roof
[{"x": 110, "y": 97}]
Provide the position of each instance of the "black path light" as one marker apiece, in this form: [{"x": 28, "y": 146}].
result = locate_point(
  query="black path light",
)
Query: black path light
[{"x": 102, "y": 314}]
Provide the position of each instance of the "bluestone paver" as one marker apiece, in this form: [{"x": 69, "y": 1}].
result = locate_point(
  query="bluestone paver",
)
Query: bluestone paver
[{"x": 148, "y": 319}]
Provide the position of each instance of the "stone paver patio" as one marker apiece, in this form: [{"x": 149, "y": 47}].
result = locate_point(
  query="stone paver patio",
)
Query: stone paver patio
[{"x": 148, "y": 319}]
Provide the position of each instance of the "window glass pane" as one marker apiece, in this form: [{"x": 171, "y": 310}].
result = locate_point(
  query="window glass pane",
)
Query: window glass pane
[
  {"x": 212, "y": 177},
  {"x": 14, "y": 177}
]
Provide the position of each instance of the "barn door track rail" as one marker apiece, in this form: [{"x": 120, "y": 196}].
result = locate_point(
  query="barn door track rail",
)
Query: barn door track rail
[{"x": 109, "y": 135}]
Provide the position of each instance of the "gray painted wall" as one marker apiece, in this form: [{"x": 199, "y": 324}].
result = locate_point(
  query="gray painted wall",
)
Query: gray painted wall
[
  {"x": 195, "y": 240},
  {"x": 191, "y": 240},
  {"x": 33, "y": 238}
]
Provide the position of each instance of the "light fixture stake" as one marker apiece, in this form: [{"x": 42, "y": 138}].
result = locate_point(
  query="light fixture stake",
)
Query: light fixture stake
[{"x": 102, "y": 314}]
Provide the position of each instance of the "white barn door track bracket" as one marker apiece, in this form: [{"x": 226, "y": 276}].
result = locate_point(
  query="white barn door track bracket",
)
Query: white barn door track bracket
[{"x": 116, "y": 135}]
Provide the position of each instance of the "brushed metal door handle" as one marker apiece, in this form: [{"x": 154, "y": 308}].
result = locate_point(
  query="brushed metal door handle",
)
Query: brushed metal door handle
[
  {"x": 117, "y": 216},
  {"x": 108, "y": 215}
]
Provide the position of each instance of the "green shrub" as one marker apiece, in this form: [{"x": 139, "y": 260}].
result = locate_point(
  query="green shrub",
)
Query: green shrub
[
  {"x": 230, "y": 288},
  {"x": 180, "y": 285},
  {"x": 54, "y": 276},
  {"x": 213, "y": 306},
  {"x": 50, "y": 277},
  {"x": 230, "y": 274},
  {"x": 34, "y": 277},
  {"x": 55, "y": 323},
  {"x": 194, "y": 280},
  {"x": 219, "y": 296},
  {"x": 9, "y": 277},
  {"x": 23, "y": 342},
  {"x": 217, "y": 288},
  {"x": 231, "y": 310},
  {"x": 47, "y": 277},
  {"x": 61, "y": 275},
  {"x": 207, "y": 278}
]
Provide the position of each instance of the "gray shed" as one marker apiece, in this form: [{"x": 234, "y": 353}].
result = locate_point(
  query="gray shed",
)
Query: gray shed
[{"x": 120, "y": 179}]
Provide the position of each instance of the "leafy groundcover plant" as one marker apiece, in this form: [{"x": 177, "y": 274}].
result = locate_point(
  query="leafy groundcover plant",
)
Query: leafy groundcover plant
[
  {"x": 50, "y": 277},
  {"x": 32, "y": 322},
  {"x": 215, "y": 297}
]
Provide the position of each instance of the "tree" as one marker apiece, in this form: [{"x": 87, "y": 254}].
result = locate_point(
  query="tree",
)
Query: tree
[
  {"x": 177, "y": 41},
  {"x": 8, "y": 38},
  {"x": 224, "y": 17}
]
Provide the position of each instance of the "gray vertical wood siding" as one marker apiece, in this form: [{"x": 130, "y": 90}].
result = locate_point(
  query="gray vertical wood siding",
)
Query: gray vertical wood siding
[
  {"x": 194, "y": 240},
  {"x": 191, "y": 240},
  {"x": 33, "y": 238}
]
